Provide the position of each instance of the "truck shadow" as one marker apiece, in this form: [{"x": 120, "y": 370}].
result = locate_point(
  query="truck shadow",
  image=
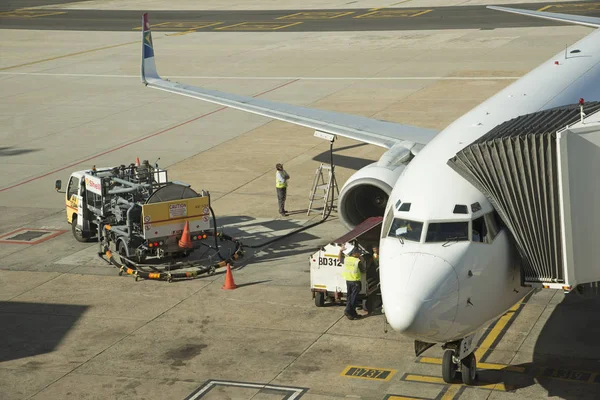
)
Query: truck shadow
[
  {"x": 31, "y": 329},
  {"x": 566, "y": 354}
]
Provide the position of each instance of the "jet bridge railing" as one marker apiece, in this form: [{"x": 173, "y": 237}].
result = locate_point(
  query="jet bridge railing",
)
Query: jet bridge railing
[{"x": 530, "y": 170}]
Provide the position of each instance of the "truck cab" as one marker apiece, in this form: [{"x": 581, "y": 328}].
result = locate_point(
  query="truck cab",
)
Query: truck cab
[{"x": 78, "y": 215}]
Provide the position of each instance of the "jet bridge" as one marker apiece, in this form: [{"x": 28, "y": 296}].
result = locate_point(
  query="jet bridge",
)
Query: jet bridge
[{"x": 541, "y": 172}]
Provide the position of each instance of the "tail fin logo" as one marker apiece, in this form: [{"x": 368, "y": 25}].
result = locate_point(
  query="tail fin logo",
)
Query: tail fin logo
[
  {"x": 148, "y": 38},
  {"x": 148, "y": 47}
]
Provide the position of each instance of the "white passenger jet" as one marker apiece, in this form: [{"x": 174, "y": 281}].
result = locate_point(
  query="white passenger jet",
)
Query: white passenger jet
[{"x": 447, "y": 266}]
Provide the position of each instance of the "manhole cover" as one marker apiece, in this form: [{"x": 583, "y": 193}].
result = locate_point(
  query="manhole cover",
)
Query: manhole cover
[{"x": 30, "y": 236}]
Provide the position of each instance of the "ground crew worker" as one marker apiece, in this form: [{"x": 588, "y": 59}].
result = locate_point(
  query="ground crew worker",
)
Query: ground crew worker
[
  {"x": 281, "y": 178},
  {"x": 354, "y": 265}
]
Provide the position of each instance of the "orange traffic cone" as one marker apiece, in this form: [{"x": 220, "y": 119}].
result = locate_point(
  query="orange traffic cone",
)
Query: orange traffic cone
[
  {"x": 229, "y": 283},
  {"x": 137, "y": 161},
  {"x": 186, "y": 241}
]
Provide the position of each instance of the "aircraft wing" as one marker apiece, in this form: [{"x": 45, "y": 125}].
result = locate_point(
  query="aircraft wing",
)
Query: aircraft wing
[
  {"x": 368, "y": 130},
  {"x": 593, "y": 22}
]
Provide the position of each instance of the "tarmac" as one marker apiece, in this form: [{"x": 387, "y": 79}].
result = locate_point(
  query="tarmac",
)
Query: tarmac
[
  {"x": 419, "y": 16},
  {"x": 74, "y": 329}
]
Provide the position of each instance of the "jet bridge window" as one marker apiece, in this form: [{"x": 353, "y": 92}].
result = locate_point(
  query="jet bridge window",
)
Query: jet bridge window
[
  {"x": 405, "y": 229},
  {"x": 447, "y": 231}
]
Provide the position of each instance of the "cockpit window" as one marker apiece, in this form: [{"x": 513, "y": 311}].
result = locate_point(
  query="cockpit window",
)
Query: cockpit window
[
  {"x": 405, "y": 229},
  {"x": 387, "y": 222},
  {"x": 447, "y": 231},
  {"x": 398, "y": 204},
  {"x": 405, "y": 207}
]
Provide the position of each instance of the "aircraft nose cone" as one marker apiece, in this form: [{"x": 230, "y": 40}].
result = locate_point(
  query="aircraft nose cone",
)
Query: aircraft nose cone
[
  {"x": 404, "y": 318},
  {"x": 419, "y": 293}
]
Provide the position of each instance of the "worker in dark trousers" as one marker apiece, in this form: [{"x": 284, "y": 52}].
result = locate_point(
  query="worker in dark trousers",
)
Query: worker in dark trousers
[
  {"x": 281, "y": 178},
  {"x": 354, "y": 266}
]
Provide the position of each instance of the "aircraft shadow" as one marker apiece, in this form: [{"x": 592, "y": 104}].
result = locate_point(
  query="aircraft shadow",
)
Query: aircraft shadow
[
  {"x": 9, "y": 151},
  {"x": 354, "y": 163},
  {"x": 29, "y": 329},
  {"x": 566, "y": 354}
]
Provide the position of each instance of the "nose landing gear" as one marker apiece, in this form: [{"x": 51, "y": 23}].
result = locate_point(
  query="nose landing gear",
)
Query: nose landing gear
[
  {"x": 468, "y": 369},
  {"x": 460, "y": 355},
  {"x": 451, "y": 364}
]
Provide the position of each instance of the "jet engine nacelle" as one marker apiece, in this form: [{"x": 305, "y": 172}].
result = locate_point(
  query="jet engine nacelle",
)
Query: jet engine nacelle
[{"x": 366, "y": 193}]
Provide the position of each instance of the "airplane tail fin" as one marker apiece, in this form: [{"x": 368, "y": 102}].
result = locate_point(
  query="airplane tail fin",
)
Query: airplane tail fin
[
  {"x": 593, "y": 22},
  {"x": 148, "y": 64}
]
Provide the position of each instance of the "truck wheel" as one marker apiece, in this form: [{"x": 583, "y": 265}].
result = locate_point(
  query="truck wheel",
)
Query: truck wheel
[
  {"x": 319, "y": 299},
  {"x": 77, "y": 234},
  {"x": 121, "y": 248}
]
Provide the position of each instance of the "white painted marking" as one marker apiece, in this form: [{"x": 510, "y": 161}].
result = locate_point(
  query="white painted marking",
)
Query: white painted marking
[
  {"x": 296, "y": 391},
  {"x": 306, "y": 78}
]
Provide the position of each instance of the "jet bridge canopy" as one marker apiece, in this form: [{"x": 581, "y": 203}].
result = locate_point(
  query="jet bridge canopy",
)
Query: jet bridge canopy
[{"x": 540, "y": 172}]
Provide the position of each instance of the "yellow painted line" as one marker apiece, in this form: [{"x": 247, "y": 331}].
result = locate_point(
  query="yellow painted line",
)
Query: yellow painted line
[
  {"x": 290, "y": 15},
  {"x": 189, "y": 26},
  {"x": 544, "y": 8},
  {"x": 440, "y": 381},
  {"x": 192, "y": 30},
  {"x": 370, "y": 373},
  {"x": 68, "y": 55},
  {"x": 29, "y": 14},
  {"x": 451, "y": 392},
  {"x": 396, "y": 397},
  {"x": 498, "y": 328},
  {"x": 139, "y": 28},
  {"x": 421, "y": 13},
  {"x": 367, "y": 14},
  {"x": 397, "y": 13},
  {"x": 491, "y": 366},
  {"x": 316, "y": 15},
  {"x": 257, "y": 26},
  {"x": 332, "y": 255},
  {"x": 180, "y": 33},
  {"x": 577, "y": 7}
]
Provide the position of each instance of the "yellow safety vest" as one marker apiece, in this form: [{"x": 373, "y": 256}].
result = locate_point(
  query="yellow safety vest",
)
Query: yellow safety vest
[
  {"x": 351, "y": 271},
  {"x": 279, "y": 184}
]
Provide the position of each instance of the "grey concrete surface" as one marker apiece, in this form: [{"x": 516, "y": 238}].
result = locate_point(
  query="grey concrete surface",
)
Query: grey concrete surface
[{"x": 72, "y": 328}]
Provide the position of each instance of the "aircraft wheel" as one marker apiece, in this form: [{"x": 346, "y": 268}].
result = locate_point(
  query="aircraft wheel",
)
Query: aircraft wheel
[
  {"x": 319, "y": 299},
  {"x": 449, "y": 368},
  {"x": 468, "y": 369}
]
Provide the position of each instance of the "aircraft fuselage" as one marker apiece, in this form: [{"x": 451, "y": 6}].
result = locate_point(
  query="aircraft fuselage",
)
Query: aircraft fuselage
[{"x": 440, "y": 283}]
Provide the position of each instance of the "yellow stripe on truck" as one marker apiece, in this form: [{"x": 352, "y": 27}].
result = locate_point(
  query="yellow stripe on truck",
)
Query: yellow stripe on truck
[{"x": 169, "y": 217}]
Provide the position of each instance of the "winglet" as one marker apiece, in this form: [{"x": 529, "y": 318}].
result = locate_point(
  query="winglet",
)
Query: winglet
[
  {"x": 593, "y": 22},
  {"x": 148, "y": 65}
]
